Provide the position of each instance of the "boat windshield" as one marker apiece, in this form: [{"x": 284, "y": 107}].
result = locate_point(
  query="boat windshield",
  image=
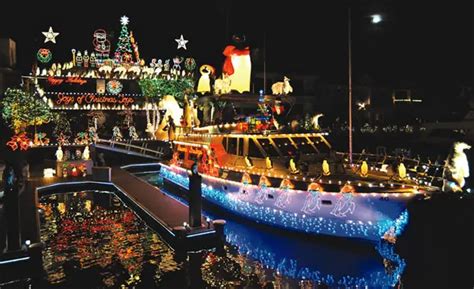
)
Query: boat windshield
[
  {"x": 291, "y": 146},
  {"x": 268, "y": 147}
]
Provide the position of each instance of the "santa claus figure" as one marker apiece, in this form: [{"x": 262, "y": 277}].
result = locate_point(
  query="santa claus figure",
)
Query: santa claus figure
[{"x": 238, "y": 65}]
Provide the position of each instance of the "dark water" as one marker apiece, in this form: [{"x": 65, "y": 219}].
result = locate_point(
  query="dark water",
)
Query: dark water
[{"x": 93, "y": 241}]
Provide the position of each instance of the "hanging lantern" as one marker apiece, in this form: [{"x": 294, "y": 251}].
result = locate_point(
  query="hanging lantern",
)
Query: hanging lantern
[
  {"x": 364, "y": 169},
  {"x": 326, "y": 171},
  {"x": 402, "y": 171}
]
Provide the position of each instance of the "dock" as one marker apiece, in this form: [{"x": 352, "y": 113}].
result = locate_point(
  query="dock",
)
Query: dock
[
  {"x": 164, "y": 214},
  {"x": 169, "y": 213}
]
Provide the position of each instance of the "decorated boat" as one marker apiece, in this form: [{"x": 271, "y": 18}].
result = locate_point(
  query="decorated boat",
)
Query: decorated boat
[{"x": 296, "y": 181}]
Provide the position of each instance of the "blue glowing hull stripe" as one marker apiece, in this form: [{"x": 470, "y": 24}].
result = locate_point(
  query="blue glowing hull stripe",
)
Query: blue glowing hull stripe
[{"x": 345, "y": 215}]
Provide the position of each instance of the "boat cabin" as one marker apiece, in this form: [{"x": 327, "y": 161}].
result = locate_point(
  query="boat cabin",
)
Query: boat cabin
[{"x": 244, "y": 151}]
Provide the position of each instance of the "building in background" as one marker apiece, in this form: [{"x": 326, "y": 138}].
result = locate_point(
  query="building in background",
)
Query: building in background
[{"x": 9, "y": 76}]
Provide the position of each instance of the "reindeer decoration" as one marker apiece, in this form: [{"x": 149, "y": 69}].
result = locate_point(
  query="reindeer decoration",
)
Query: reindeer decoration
[{"x": 282, "y": 88}]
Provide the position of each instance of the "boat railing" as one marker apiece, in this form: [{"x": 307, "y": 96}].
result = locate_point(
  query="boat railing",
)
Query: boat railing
[
  {"x": 414, "y": 167},
  {"x": 139, "y": 149}
]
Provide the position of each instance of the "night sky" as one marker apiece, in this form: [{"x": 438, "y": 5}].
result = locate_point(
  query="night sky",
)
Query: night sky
[{"x": 425, "y": 44}]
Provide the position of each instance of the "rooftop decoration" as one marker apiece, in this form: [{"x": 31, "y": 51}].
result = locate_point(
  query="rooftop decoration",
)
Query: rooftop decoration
[
  {"x": 123, "y": 53},
  {"x": 101, "y": 44}
]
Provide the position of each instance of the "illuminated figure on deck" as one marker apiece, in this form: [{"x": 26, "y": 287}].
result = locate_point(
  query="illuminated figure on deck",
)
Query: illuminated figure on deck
[
  {"x": 456, "y": 168},
  {"x": 116, "y": 134},
  {"x": 282, "y": 87},
  {"x": 204, "y": 83},
  {"x": 132, "y": 132},
  {"x": 238, "y": 65}
]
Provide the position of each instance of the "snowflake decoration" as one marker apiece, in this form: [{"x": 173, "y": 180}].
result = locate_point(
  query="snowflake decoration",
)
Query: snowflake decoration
[{"x": 124, "y": 20}]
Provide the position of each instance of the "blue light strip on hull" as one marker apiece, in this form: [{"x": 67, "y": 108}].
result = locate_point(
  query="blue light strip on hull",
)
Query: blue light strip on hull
[{"x": 373, "y": 231}]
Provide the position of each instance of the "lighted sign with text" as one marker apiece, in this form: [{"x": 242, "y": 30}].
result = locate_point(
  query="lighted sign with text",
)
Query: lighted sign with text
[
  {"x": 65, "y": 99},
  {"x": 84, "y": 85},
  {"x": 54, "y": 81}
]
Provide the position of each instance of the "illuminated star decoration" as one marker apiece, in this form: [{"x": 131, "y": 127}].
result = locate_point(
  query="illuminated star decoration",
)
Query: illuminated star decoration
[
  {"x": 124, "y": 20},
  {"x": 50, "y": 35},
  {"x": 181, "y": 42}
]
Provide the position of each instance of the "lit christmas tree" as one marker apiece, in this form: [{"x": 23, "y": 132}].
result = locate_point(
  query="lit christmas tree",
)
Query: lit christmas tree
[
  {"x": 123, "y": 53},
  {"x": 20, "y": 110}
]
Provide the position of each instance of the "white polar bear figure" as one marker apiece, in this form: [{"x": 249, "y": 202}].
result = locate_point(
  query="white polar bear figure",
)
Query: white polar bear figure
[
  {"x": 456, "y": 168},
  {"x": 315, "y": 121}
]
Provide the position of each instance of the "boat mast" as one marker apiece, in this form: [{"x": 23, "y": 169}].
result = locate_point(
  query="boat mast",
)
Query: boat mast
[
  {"x": 264, "y": 62},
  {"x": 350, "y": 82}
]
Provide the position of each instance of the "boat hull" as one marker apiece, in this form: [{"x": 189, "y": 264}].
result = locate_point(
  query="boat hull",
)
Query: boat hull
[{"x": 349, "y": 215}]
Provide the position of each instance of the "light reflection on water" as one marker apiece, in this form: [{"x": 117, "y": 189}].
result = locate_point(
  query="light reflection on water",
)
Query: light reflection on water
[{"x": 92, "y": 240}]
